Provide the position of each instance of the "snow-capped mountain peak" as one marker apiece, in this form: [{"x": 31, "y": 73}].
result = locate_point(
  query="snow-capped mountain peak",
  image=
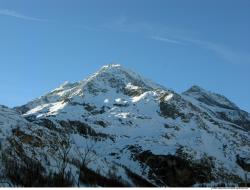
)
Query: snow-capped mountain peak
[
  {"x": 117, "y": 76},
  {"x": 142, "y": 126}
]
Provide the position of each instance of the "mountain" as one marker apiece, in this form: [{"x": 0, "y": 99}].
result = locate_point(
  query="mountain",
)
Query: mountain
[
  {"x": 9, "y": 119},
  {"x": 219, "y": 106},
  {"x": 116, "y": 128}
]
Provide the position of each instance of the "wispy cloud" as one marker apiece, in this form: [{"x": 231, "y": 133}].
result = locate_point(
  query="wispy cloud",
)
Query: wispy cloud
[
  {"x": 227, "y": 53},
  {"x": 153, "y": 31},
  {"x": 233, "y": 56},
  {"x": 167, "y": 40},
  {"x": 11, "y": 13},
  {"x": 171, "y": 35}
]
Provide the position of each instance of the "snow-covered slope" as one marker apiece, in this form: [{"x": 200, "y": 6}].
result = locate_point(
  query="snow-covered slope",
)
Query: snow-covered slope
[
  {"x": 139, "y": 128},
  {"x": 9, "y": 119},
  {"x": 219, "y": 106}
]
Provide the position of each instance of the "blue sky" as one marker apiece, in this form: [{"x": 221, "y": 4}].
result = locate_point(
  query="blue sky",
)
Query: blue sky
[{"x": 173, "y": 42}]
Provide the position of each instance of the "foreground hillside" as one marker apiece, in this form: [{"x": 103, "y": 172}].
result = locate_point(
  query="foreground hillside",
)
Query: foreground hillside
[{"x": 116, "y": 128}]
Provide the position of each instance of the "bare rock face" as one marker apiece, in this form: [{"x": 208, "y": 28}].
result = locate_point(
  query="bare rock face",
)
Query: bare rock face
[{"x": 176, "y": 171}]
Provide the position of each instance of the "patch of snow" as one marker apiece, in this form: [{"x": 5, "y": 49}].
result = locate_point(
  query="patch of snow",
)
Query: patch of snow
[
  {"x": 106, "y": 101},
  {"x": 168, "y": 97},
  {"x": 118, "y": 100},
  {"x": 132, "y": 87}
]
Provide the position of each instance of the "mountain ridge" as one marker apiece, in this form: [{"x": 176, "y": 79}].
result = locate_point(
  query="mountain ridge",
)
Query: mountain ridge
[{"x": 141, "y": 132}]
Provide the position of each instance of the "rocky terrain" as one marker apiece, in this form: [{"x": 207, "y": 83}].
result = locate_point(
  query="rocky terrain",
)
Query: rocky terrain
[{"x": 116, "y": 128}]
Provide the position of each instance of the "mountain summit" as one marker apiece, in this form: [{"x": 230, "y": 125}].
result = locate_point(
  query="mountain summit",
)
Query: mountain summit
[{"x": 120, "y": 129}]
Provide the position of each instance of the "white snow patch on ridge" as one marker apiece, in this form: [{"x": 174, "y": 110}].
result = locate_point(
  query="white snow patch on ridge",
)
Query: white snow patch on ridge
[
  {"x": 168, "y": 97},
  {"x": 132, "y": 87}
]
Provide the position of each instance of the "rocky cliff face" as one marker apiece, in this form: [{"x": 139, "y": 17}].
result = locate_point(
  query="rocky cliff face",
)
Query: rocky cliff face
[{"x": 116, "y": 128}]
